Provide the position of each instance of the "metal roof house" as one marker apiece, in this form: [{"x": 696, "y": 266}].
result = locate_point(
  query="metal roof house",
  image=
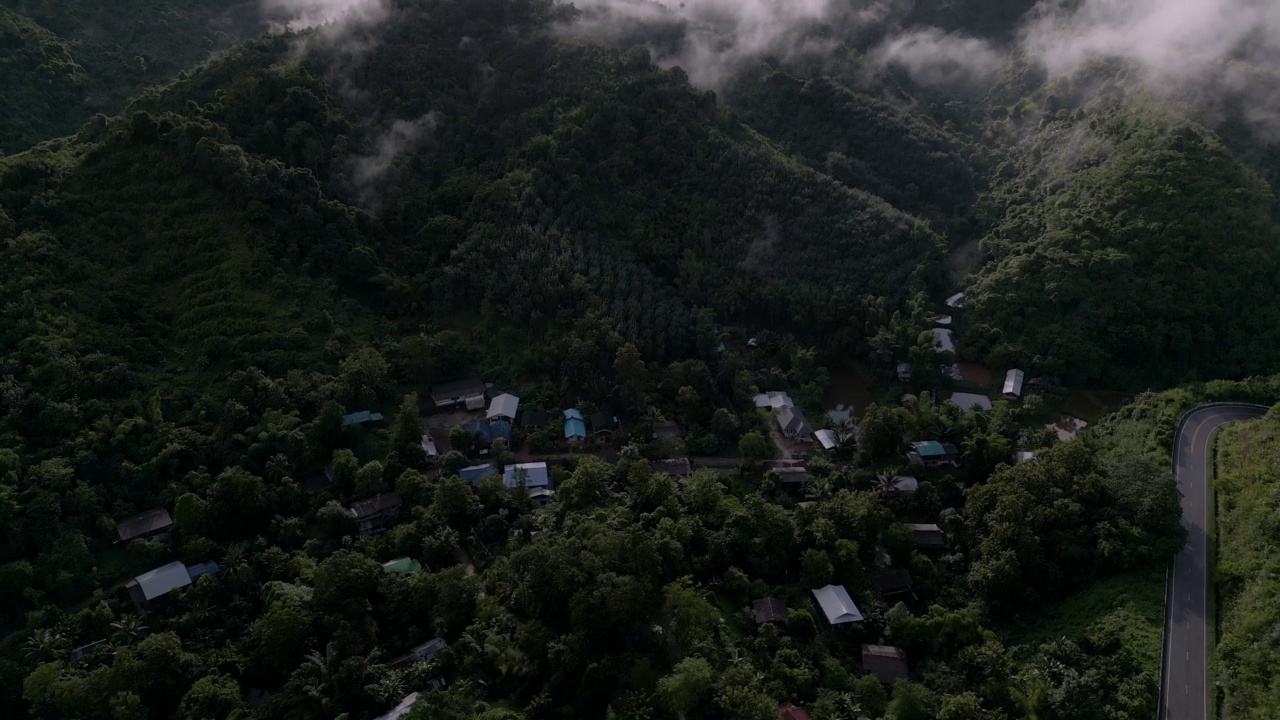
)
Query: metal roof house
[
  {"x": 402, "y": 710},
  {"x": 575, "y": 426},
  {"x": 603, "y": 424},
  {"x": 891, "y": 581},
  {"x": 1013, "y": 384},
  {"x": 887, "y": 663},
  {"x": 827, "y": 439},
  {"x": 931, "y": 453},
  {"x": 944, "y": 340},
  {"x": 773, "y": 399},
  {"x": 837, "y": 605},
  {"x": 534, "y": 420},
  {"x": 534, "y": 475},
  {"x": 430, "y": 452},
  {"x": 904, "y": 372},
  {"x": 468, "y": 392},
  {"x": 475, "y": 473},
  {"x": 503, "y": 407},
  {"x": 971, "y": 401},
  {"x": 377, "y": 513},
  {"x": 195, "y": 571},
  {"x": 403, "y": 566},
  {"x": 956, "y": 301},
  {"x": 769, "y": 609},
  {"x": 490, "y": 430},
  {"x": 158, "y": 582},
  {"x": 426, "y": 652},
  {"x": 927, "y": 535},
  {"x": 794, "y": 424},
  {"x": 791, "y": 712},
  {"x": 360, "y": 418},
  {"x": 151, "y": 523}
]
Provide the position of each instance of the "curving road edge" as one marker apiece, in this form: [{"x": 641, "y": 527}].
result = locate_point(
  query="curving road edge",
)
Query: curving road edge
[{"x": 1184, "y": 682}]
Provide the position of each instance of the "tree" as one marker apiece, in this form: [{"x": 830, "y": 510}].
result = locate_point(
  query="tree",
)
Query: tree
[
  {"x": 910, "y": 702},
  {"x": 879, "y": 433},
  {"x": 326, "y": 431},
  {"x": 213, "y": 697},
  {"x": 686, "y": 616},
  {"x": 815, "y": 568},
  {"x": 369, "y": 480},
  {"x": 345, "y": 467},
  {"x": 754, "y": 448},
  {"x": 406, "y": 432},
  {"x": 687, "y": 686}
]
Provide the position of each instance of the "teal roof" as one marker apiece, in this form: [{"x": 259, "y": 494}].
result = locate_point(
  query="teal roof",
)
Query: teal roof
[
  {"x": 404, "y": 566},
  {"x": 573, "y": 414},
  {"x": 929, "y": 448},
  {"x": 575, "y": 428},
  {"x": 358, "y": 418}
]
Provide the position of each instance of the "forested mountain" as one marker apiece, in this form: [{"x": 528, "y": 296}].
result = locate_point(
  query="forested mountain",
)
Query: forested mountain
[{"x": 224, "y": 255}]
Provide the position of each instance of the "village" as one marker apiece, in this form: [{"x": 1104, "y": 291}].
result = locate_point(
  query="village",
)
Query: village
[{"x": 478, "y": 432}]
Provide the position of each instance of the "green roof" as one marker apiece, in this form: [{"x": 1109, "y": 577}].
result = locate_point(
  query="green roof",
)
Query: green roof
[
  {"x": 929, "y": 448},
  {"x": 404, "y": 566}
]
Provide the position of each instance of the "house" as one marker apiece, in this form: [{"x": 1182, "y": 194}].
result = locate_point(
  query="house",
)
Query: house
[
  {"x": 971, "y": 401},
  {"x": 426, "y": 652},
  {"x": 402, "y": 710},
  {"x": 666, "y": 430},
  {"x": 794, "y": 424},
  {"x": 603, "y": 425},
  {"x": 927, "y": 535},
  {"x": 1067, "y": 428},
  {"x": 360, "y": 418},
  {"x": 827, "y": 439},
  {"x": 775, "y": 399},
  {"x": 532, "y": 475},
  {"x": 791, "y": 474},
  {"x": 575, "y": 427},
  {"x": 791, "y": 712},
  {"x": 904, "y": 372},
  {"x": 837, "y": 605},
  {"x": 195, "y": 571},
  {"x": 898, "y": 485},
  {"x": 403, "y": 566},
  {"x": 675, "y": 467},
  {"x": 942, "y": 320},
  {"x": 886, "y": 662},
  {"x": 150, "y": 524},
  {"x": 85, "y": 651},
  {"x": 891, "y": 581},
  {"x": 534, "y": 420},
  {"x": 1024, "y": 456},
  {"x": 944, "y": 341},
  {"x": 156, "y": 583},
  {"x": 956, "y": 301},
  {"x": 1013, "y": 384},
  {"x": 475, "y": 473},
  {"x": 430, "y": 453},
  {"x": 468, "y": 392},
  {"x": 931, "y": 453},
  {"x": 488, "y": 432},
  {"x": 540, "y": 496},
  {"x": 769, "y": 609},
  {"x": 504, "y": 407},
  {"x": 377, "y": 513}
]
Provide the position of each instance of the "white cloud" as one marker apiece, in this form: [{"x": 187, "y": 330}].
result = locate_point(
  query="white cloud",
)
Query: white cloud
[
  {"x": 302, "y": 14},
  {"x": 936, "y": 58}
]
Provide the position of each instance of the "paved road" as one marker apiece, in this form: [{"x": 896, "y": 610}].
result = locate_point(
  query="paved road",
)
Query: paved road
[{"x": 1184, "y": 690}]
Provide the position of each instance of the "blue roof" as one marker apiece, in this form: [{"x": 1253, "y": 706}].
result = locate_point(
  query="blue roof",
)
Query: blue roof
[
  {"x": 195, "y": 571},
  {"x": 573, "y": 414},
  {"x": 476, "y": 473},
  {"x": 357, "y": 418},
  {"x": 575, "y": 428},
  {"x": 929, "y": 448},
  {"x": 535, "y": 475},
  {"x": 489, "y": 431}
]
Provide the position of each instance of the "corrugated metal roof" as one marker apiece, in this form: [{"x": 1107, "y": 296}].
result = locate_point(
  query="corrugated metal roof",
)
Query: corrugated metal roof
[
  {"x": 535, "y": 475},
  {"x": 505, "y": 406},
  {"x": 143, "y": 524},
  {"x": 575, "y": 428},
  {"x": 163, "y": 580},
  {"x": 837, "y": 605}
]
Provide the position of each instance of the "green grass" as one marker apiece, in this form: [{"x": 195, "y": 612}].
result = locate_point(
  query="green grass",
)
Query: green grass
[{"x": 1130, "y": 605}]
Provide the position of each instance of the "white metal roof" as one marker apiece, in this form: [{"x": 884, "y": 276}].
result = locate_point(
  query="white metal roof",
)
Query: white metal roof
[
  {"x": 1013, "y": 383},
  {"x": 967, "y": 401},
  {"x": 905, "y": 483},
  {"x": 402, "y": 709},
  {"x": 163, "y": 580},
  {"x": 773, "y": 399},
  {"x": 505, "y": 405},
  {"x": 956, "y": 301},
  {"x": 944, "y": 340},
  {"x": 429, "y": 446},
  {"x": 827, "y": 438},
  {"x": 837, "y": 605}
]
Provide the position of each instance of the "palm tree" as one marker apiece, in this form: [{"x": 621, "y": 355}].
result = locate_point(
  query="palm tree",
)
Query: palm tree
[
  {"x": 127, "y": 630},
  {"x": 45, "y": 646},
  {"x": 1035, "y": 701}
]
